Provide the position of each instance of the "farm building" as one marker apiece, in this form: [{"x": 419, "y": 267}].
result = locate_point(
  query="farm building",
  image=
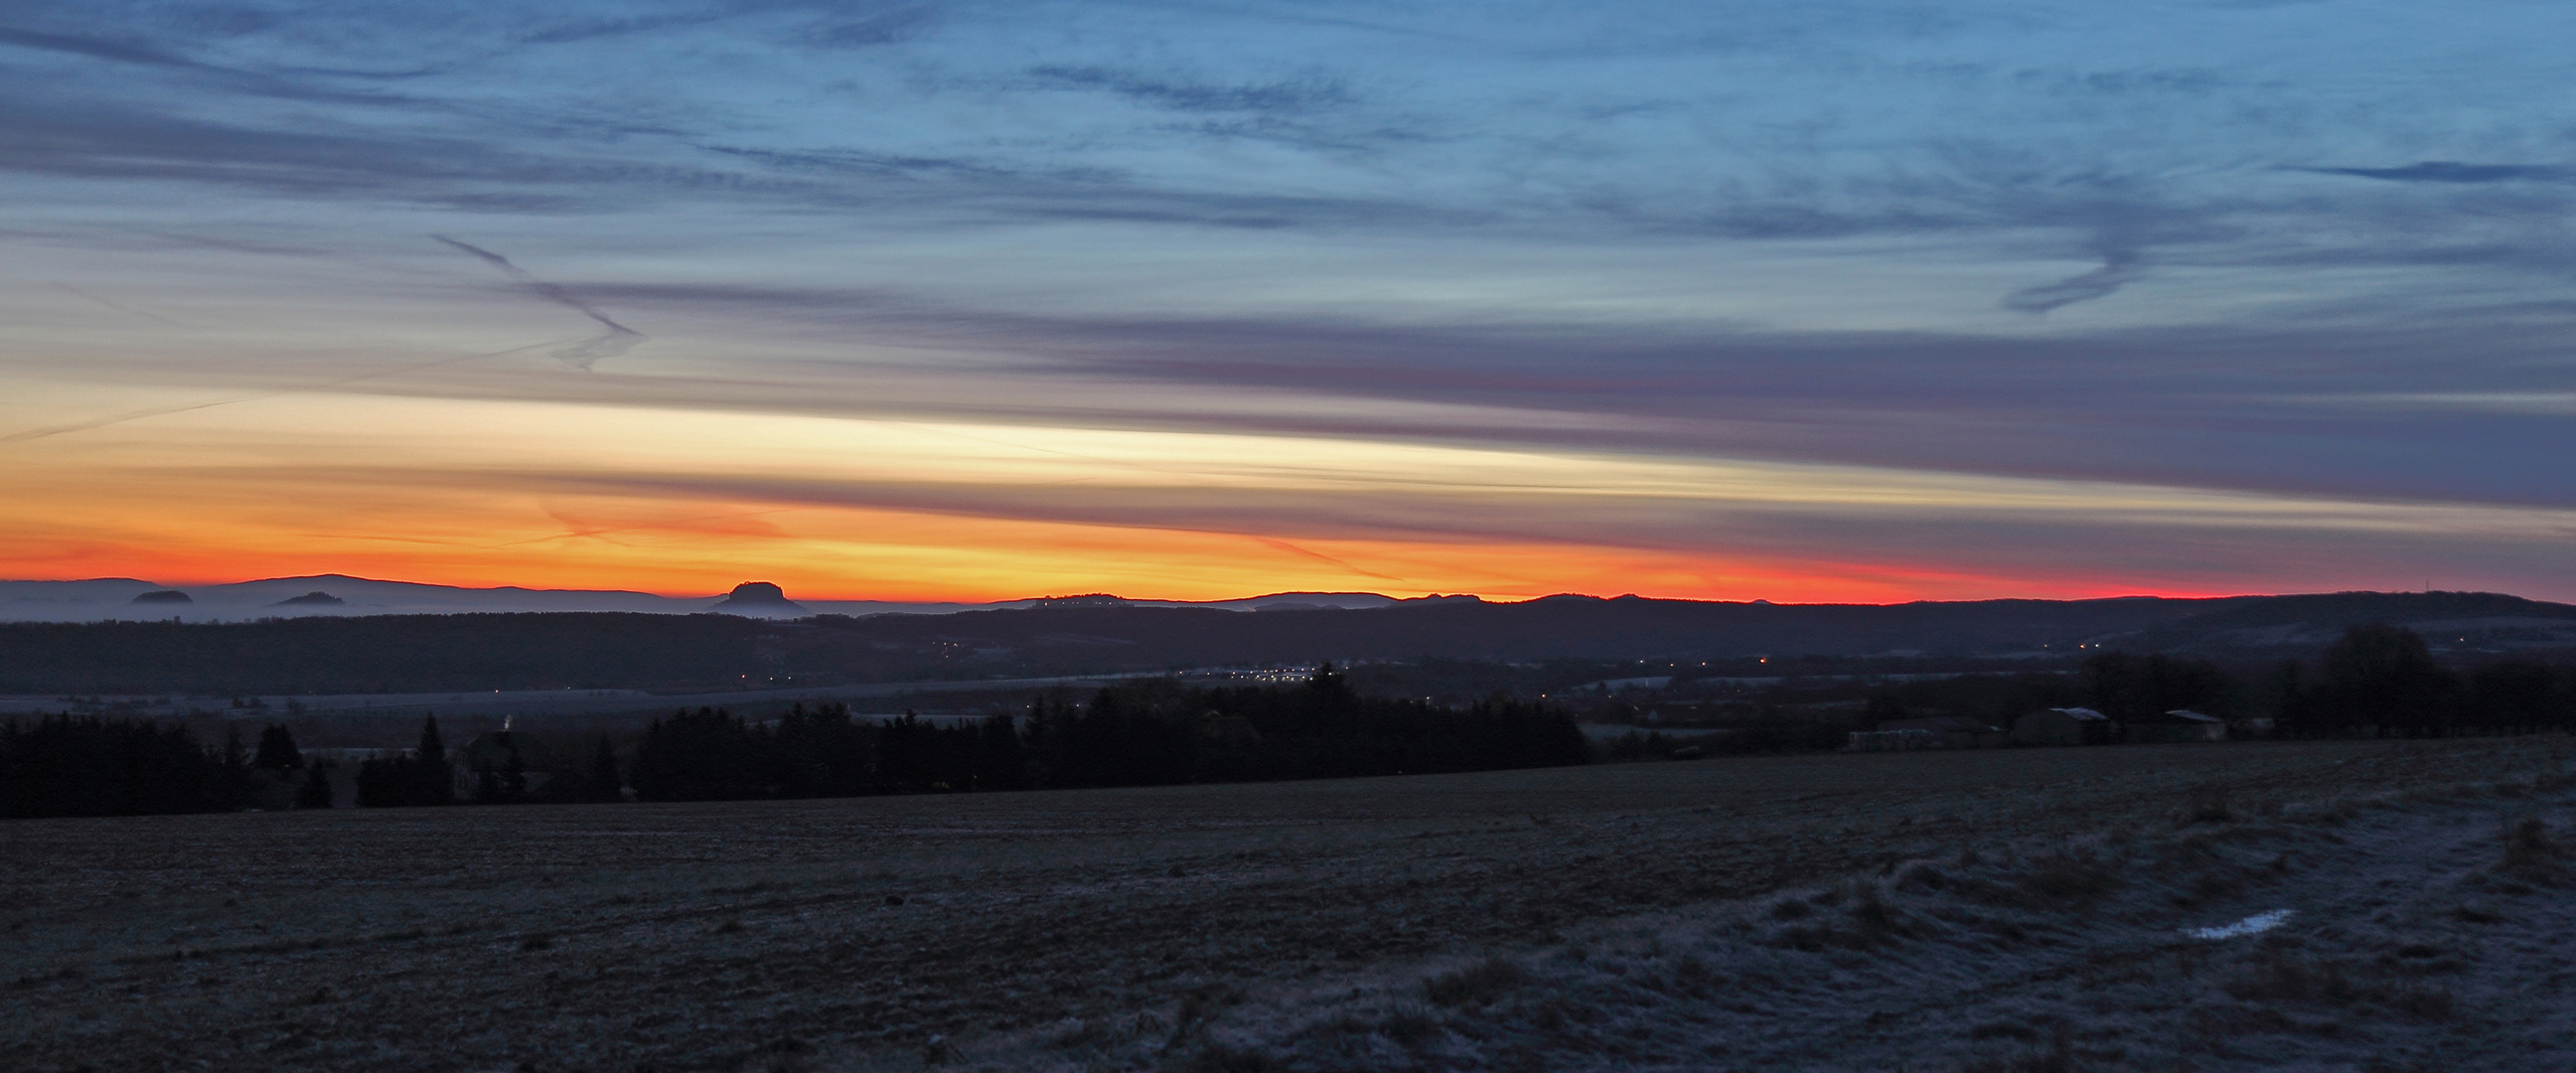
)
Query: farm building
[
  {"x": 1891, "y": 741},
  {"x": 1952, "y": 731},
  {"x": 2176, "y": 725},
  {"x": 2062, "y": 726}
]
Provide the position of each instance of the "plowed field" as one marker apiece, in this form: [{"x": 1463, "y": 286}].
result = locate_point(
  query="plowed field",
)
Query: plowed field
[{"x": 761, "y": 934}]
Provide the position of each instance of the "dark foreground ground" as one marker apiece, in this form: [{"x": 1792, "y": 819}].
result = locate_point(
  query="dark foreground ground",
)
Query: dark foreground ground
[{"x": 1681, "y": 915}]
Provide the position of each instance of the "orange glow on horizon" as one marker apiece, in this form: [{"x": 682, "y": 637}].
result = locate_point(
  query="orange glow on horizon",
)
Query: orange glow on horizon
[
  {"x": 1009, "y": 559},
  {"x": 687, "y": 503}
]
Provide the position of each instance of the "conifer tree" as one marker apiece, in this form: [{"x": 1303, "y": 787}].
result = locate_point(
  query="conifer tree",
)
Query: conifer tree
[
  {"x": 429, "y": 767},
  {"x": 277, "y": 751},
  {"x": 233, "y": 771},
  {"x": 384, "y": 782},
  {"x": 316, "y": 791},
  {"x": 605, "y": 783}
]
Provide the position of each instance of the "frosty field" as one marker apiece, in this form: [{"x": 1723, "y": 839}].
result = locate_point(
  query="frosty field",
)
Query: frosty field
[{"x": 2003, "y": 910}]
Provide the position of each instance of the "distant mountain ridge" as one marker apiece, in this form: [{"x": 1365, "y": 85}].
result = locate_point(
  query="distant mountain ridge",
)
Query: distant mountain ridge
[
  {"x": 2446, "y": 619},
  {"x": 484, "y": 651},
  {"x": 98, "y": 599}
]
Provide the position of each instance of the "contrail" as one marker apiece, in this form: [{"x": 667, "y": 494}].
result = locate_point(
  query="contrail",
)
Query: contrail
[
  {"x": 617, "y": 341},
  {"x": 1288, "y": 547},
  {"x": 137, "y": 415},
  {"x": 581, "y": 532},
  {"x": 117, "y": 306}
]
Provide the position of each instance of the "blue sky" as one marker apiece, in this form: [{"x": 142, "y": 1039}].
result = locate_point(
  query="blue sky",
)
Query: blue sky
[{"x": 1965, "y": 299}]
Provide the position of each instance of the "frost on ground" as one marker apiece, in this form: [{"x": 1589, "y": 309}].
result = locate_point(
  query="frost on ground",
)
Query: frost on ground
[
  {"x": 2425, "y": 932},
  {"x": 1981, "y": 909}
]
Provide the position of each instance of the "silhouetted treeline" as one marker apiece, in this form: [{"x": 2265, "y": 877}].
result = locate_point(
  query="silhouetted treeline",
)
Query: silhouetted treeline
[
  {"x": 1159, "y": 732},
  {"x": 1141, "y": 734},
  {"x": 421, "y": 777},
  {"x": 382, "y": 654},
  {"x": 2382, "y": 681},
  {"x": 63, "y": 765},
  {"x": 2376, "y": 680},
  {"x": 69, "y": 765}
]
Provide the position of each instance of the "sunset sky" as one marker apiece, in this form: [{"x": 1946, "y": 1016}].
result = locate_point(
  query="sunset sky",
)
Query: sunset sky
[{"x": 912, "y": 301}]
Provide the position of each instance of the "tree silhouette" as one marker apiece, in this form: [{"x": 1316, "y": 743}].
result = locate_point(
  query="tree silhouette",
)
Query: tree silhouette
[
  {"x": 277, "y": 751},
  {"x": 2127, "y": 687},
  {"x": 66, "y": 765},
  {"x": 233, "y": 774},
  {"x": 431, "y": 782},
  {"x": 2382, "y": 677},
  {"x": 604, "y": 782},
  {"x": 316, "y": 791}
]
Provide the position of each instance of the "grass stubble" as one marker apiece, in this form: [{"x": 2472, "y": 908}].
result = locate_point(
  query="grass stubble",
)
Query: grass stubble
[{"x": 2007, "y": 911}]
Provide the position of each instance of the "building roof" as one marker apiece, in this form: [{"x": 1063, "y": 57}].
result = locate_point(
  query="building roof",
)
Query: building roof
[
  {"x": 2184, "y": 715},
  {"x": 1939, "y": 724}
]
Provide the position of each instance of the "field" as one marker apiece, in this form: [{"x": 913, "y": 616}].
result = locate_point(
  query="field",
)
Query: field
[{"x": 1462, "y": 921}]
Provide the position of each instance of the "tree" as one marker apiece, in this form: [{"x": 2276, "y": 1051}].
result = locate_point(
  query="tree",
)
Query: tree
[
  {"x": 316, "y": 791},
  {"x": 605, "y": 782},
  {"x": 431, "y": 783},
  {"x": 999, "y": 762},
  {"x": 277, "y": 751},
  {"x": 385, "y": 782},
  {"x": 2127, "y": 687},
  {"x": 233, "y": 773},
  {"x": 2384, "y": 678},
  {"x": 67, "y": 765},
  {"x": 706, "y": 755},
  {"x": 2518, "y": 697},
  {"x": 2293, "y": 705}
]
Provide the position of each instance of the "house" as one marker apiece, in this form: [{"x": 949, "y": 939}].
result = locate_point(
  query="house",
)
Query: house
[
  {"x": 2174, "y": 726},
  {"x": 2062, "y": 726},
  {"x": 504, "y": 763}
]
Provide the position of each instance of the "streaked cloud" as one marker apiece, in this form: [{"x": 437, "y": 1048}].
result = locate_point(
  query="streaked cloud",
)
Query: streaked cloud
[
  {"x": 2448, "y": 171},
  {"x": 1996, "y": 298}
]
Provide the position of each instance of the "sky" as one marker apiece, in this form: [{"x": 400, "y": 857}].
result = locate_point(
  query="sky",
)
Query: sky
[{"x": 913, "y": 301}]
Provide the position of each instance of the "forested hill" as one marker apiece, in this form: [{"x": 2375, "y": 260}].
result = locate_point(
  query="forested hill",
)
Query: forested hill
[{"x": 431, "y": 653}]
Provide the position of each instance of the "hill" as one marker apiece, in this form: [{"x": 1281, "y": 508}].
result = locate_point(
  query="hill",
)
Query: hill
[
  {"x": 2449, "y": 621},
  {"x": 431, "y": 653}
]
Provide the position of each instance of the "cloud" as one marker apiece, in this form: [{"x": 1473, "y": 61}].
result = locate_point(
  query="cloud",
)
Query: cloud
[
  {"x": 884, "y": 28},
  {"x": 2118, "y": 270},
  {"x": 333, "y": 384},
  {"x": 1679, "y": 233},
  {"x": 96, "y": 48},
  {"x": 282, "y": 83},
  {"x": 2444, "y": 171},
  {"x": 1194, "y": 96}
]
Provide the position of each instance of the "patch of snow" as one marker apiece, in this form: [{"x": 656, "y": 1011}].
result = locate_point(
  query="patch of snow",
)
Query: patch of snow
[{"x": 2253, "y": 925}]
